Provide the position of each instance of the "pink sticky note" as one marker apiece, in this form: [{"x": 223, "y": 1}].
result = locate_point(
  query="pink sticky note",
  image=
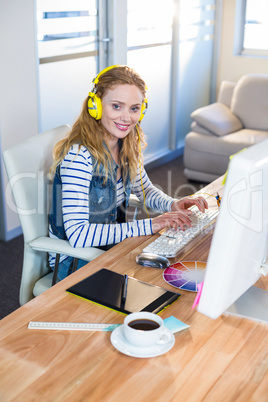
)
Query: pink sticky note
[{"x": 199, "y": 292}]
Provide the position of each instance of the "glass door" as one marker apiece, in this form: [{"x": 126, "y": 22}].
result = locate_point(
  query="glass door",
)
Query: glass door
[
  {"x": 68, "y": 51},
  {"x": 149, "y": 51},
  {"x": 196, "y": 60}
]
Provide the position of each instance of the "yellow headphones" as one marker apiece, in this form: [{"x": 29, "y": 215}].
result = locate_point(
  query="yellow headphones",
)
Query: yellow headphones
[{"x": 94, "y": 102}]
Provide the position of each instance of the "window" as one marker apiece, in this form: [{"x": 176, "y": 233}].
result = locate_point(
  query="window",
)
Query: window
[
  {"x": 254, "y": 27},
  {"x": 147, "y": 28},
  {"x": 67, "y": 29}
]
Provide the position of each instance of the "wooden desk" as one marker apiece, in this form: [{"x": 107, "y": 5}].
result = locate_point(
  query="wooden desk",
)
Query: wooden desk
[{"x": 214, "y": 360}]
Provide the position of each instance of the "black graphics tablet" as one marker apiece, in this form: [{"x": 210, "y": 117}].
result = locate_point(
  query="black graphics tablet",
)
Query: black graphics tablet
[{"x": 122, "y": 293}]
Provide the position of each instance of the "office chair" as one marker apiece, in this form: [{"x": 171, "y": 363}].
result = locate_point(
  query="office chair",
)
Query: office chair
[{"x": 27, "y": 165}]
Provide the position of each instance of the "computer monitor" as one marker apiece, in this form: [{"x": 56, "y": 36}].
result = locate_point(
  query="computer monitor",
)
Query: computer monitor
[{"x": 239, "y": 248}]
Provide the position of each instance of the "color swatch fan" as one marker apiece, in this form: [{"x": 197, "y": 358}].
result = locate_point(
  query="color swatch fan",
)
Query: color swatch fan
[{"x": 185, "y": 275}]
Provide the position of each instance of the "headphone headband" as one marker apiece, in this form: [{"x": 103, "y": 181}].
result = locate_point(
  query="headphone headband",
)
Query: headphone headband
[{"x": 96, "y": 79}]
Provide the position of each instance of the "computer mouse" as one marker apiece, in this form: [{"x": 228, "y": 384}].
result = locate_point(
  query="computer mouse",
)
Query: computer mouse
[{"x": 152, "y": 260}]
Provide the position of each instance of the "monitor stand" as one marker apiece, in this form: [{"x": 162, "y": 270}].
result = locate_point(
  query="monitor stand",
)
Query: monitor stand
[{"x": 253, "y": 304}]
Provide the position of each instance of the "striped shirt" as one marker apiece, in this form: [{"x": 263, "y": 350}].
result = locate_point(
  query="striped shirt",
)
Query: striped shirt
[{"x": 76, "y": 172}]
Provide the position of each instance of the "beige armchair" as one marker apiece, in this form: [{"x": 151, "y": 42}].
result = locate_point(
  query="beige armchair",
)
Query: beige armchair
[{"x": 237, "y": 120}]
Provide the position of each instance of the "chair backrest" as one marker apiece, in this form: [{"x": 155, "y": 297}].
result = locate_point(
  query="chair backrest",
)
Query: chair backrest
[
  {"x": 27, "y": 165},
  {"x": 226, "y": 92},
  {"x": 250, "y": 101}
]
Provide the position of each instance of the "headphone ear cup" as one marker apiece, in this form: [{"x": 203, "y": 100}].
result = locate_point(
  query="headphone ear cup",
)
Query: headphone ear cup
[
  {"x": 144, "y": 107},
  {"x": 94, "y": 106}
]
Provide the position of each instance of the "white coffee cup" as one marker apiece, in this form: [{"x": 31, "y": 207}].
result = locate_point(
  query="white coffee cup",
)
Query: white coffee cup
[{"x": 145, "y": 329}]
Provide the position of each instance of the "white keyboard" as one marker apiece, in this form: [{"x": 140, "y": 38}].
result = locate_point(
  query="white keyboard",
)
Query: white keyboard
[{"x": 172, "y": 242}]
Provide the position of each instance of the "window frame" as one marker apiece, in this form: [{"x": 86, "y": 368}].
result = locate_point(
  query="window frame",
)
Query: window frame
[{"x": 240, "y": 19}]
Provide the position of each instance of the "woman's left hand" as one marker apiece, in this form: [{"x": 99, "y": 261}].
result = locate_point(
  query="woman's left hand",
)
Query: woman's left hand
[{"x": 187, "y": 202}]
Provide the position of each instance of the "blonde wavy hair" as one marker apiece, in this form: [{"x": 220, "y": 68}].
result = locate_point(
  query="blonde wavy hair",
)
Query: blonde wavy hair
[{"x": 90, "y": 132}]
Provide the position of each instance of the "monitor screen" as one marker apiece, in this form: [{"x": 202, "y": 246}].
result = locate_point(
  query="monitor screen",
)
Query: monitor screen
[{"x": 239, "y": 248}]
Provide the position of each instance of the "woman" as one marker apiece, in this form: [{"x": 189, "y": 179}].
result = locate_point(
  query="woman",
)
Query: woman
[{"x": 99, "y": 163}]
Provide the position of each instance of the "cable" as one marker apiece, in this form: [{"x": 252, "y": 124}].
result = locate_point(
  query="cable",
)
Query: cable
[
  {"x": 140, "y": 170},
  {"x": 217, "y": 197}
]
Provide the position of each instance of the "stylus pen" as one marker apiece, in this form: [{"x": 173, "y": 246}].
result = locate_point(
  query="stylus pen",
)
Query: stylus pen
[{"x": 124, "y": 293}]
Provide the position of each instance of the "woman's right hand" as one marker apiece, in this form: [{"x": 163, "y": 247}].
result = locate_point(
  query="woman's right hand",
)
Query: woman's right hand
[{"x": 172, "y": 219}]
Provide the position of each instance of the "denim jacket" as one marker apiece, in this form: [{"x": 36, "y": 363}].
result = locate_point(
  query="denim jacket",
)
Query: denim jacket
[{"x": 102, "y": 199}]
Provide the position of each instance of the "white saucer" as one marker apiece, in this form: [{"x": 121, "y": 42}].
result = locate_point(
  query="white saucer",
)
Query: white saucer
[{"x": 120, "y": 343}]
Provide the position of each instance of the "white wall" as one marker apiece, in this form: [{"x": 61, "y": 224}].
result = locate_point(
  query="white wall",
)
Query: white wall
[
  {"x": 232, "y": 67},
  {"x": 18, "y": 83}
]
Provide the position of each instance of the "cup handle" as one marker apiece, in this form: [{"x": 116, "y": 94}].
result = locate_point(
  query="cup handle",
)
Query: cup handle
[{"x": 165, "y": 337}]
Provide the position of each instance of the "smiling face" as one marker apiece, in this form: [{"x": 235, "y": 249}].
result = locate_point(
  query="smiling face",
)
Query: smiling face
[{"x": 121, "y": 109}]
